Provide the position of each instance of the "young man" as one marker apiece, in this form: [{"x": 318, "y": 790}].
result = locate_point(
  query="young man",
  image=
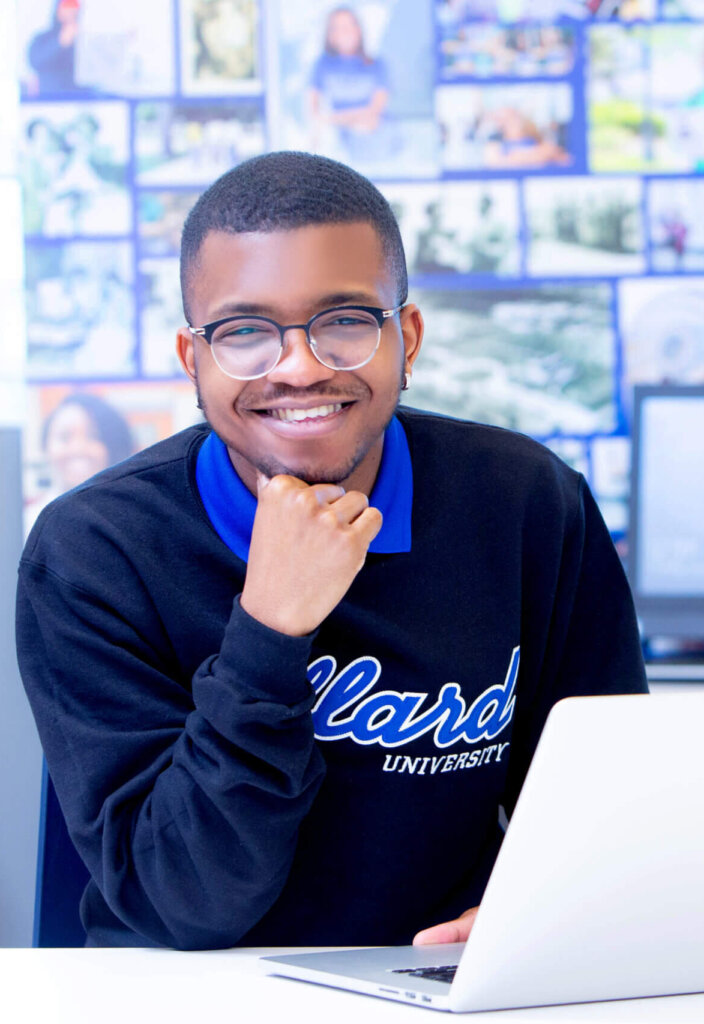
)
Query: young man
[{"x": 287, "y": 666}]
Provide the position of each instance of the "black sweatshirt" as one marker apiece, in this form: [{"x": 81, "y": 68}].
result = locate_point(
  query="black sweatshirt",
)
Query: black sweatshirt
[{"x": 210, "y": 806}]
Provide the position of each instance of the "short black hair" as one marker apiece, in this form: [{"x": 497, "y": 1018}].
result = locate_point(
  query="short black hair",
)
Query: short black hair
[{"x": 286, "y": 190}]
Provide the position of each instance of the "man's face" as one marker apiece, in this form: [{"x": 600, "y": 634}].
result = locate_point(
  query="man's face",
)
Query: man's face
[{"x": 290, "y": 276}]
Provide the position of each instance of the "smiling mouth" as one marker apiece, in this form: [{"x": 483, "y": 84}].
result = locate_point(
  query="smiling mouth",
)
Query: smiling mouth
[{"x": 296, "y": 415}]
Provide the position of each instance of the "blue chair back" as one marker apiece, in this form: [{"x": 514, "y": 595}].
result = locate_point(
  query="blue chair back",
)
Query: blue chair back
[{"x": 61, "y": 877}]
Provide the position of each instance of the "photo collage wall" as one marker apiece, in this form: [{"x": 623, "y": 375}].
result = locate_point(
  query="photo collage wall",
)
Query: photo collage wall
[{"x": 543, "y": 157}]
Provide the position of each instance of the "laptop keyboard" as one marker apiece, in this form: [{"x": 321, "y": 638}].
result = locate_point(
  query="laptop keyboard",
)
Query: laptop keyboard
[{"x": 434, "y": 973}]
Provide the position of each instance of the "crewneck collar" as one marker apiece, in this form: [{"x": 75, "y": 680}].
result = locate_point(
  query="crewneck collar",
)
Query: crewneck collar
[{"x": 231, "y": 506}]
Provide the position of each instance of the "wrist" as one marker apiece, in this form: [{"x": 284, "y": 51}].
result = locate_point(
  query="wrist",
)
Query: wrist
[{"x": 274, "y": 619}]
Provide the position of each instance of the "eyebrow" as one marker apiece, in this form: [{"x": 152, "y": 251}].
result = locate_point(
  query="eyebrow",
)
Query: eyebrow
[{"x": 323, "y": 302}]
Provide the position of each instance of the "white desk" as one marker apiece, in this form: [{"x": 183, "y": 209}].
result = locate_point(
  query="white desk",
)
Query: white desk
[{"x": 140, "y": 986}]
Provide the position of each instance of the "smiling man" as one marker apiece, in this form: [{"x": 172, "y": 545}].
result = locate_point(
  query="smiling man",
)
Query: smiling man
[{"x": 287, "y": 666}]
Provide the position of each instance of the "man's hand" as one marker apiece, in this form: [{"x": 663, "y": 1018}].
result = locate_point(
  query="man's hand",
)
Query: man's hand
[
  {"x": 308, "y": 544},
  {"x": 450, "y": 931}
]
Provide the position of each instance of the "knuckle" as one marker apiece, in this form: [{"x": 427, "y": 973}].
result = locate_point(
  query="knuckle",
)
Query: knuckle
[
  {"x": 359, "y": 496},
  {"x": 306, "y": 498},
  {"x": 329, "y": 518},
  {"x": 374, "y": 517},
  {"x": 278, "y": 486}
]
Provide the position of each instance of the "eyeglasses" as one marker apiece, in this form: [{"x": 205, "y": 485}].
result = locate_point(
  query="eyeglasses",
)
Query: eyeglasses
[{"x": 248, "y": 347}]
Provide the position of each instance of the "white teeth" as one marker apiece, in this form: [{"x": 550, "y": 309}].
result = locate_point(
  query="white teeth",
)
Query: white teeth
[{"x": 295, "y": 415}]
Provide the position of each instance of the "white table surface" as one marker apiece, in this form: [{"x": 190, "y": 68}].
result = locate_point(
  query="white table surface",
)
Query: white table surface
[{"x": 131, "y": 986}]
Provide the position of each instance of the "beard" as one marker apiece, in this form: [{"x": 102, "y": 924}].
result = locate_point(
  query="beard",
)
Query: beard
[{"x": 312, "y": 474}]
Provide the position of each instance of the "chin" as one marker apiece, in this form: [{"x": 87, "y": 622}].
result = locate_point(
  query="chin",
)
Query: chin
[{"x": 311, "y": 474}]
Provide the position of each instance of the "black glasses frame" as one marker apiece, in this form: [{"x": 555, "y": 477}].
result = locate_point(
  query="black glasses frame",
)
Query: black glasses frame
[{"x": 206, "y": 332}]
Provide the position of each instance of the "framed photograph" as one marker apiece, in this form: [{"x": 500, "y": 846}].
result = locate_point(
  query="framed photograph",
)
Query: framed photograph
[
  {"x": 484, "y": 49},
  {"x": 340, "y": 83},
  {"x": 80, "y": 310},
  {"x": 160, "y": 218},
  {"x": 536, "y": 359},
  {"x": 662, "y": 331},
  {"x": 73, "y": 163},
  {"x": 193, "y": 143},
  {"x": 676, "y": 224},
  {"x": 458, "y": 227},
  {"x": 584, "y": 226},
  {"x": 646, "y": 98},
  {"x": 74, "y": 431},
  {"x": 220, "y": 47},
  {"x": 69, "y": 48},
  {"x": 505, "y": 127}
]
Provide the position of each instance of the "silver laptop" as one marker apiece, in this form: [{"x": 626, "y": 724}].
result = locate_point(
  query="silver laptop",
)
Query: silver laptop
[{"x": 598, "y": 890}]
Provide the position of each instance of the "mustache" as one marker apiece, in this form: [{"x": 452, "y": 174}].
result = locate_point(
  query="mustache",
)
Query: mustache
[{"x": 327, "y": 393}]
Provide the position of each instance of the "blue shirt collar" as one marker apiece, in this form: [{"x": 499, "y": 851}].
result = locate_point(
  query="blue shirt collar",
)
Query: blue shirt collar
[{"x": 231, "y": 507}]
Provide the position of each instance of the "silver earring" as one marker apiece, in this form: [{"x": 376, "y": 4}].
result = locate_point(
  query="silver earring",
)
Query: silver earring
[{"x": 406, "y": 381}]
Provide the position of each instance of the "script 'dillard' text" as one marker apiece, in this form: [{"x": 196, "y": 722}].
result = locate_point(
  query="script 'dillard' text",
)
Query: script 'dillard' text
[{"x": 349, "y": 707}]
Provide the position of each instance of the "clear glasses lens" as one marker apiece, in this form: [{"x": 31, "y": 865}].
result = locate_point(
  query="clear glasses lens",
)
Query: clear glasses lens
[
  {"x": 345, "y": 338},
  {"x": 341, "y": 339},
  {"x": 246, "y": 348}
]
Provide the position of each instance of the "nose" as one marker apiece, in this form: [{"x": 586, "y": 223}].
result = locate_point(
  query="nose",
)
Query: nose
[{"x": 298, "y": 366}]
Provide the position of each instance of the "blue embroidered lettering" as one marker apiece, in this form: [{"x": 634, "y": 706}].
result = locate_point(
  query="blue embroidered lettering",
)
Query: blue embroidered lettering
[
  {"x": 493, "y": 709},
  {"x": 321, "y": 671},
  {"x": 346, "y": 709},
  {"x": 351, "y": 684}
]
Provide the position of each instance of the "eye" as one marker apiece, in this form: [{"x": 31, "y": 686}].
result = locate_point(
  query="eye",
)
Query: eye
[
  {"x": 241, "y": 332},
  {"x": 349, "y": 318},
  {"x": 244, "y": 334},
  {"x": 356, "y": 318}
]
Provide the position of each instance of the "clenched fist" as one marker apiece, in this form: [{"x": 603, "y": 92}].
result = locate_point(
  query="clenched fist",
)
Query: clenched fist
[{"x": 308, "y": 544}]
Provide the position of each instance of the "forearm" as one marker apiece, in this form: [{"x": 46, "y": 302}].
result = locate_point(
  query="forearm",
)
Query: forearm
[{"x": 185, "y": 806}]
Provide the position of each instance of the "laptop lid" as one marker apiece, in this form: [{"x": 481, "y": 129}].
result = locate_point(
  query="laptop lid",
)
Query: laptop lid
[{"x": 596, "y": 892}]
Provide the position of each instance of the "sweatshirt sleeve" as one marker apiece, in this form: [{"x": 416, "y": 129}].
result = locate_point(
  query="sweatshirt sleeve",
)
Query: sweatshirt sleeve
[
  {"x": 183, "y": 801},
  {"x": 579, "y": 634}
]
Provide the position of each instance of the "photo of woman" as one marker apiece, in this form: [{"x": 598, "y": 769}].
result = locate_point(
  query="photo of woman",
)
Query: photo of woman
[
  {"x": 81, "y": 436},
  {"x": 349, "y": 89},
  {"x": 339, "y": 84}
]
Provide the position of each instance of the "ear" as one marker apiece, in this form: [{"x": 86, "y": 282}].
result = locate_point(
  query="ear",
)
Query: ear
[
  {"x": 185, "y": 350},
  {"x": 412, "y": 328}
]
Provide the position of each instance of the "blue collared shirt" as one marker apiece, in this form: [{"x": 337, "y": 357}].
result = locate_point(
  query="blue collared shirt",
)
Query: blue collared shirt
[{"x": 231, "y": 506}]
